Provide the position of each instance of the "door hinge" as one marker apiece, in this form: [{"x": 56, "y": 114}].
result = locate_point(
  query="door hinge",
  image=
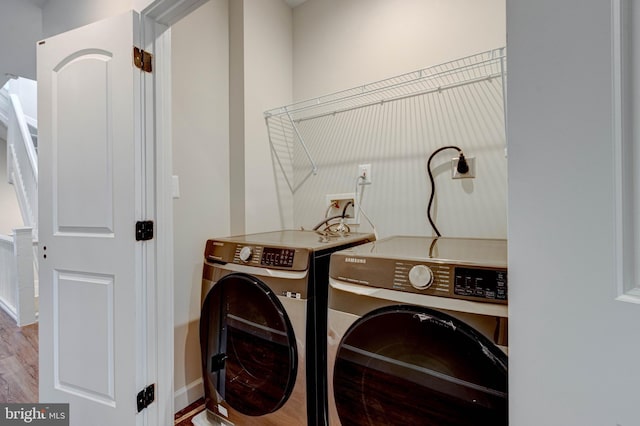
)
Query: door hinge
[
  {"x": 146, "y": 396},
  {"x": 144, "y": 230},
  {"x": 218, "y": 361},
  {"x": 142, "y": 59}
]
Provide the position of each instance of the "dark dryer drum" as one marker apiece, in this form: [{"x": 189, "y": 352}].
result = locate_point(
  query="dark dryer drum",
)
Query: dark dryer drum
[
  {"x": 417, "y": 333},
  {"x": 263, "y": 326}
]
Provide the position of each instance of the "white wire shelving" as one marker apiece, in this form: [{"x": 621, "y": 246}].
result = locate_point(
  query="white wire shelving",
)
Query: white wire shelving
[{"x": 289, "y": 145}]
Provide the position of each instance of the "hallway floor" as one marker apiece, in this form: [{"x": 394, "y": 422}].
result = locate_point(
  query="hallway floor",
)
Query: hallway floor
[
  {"x": 18, "y": 361},
  {"x": 19, "y": 367}
]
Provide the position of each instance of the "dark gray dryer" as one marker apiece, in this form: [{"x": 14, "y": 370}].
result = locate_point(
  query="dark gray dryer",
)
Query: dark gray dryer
[{"x": 263, "y": 326}]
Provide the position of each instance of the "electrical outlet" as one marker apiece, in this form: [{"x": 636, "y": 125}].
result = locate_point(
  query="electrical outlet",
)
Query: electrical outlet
[
  {"x": 336, "y": 203},
  {"x": 364, "y": 170},
  {"x": 471, "y": 162}
]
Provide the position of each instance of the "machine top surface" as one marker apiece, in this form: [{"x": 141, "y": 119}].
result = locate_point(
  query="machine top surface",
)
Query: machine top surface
[
  {"x": 287, "y": 250},
  {"x": 310, "y": 240},
  {"x": 470, "y": 251}
]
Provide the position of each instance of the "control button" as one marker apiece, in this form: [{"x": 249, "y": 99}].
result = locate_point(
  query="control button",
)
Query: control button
[
  {"x": 245, "y": 253},
  {"x": 420, "y": 277}
]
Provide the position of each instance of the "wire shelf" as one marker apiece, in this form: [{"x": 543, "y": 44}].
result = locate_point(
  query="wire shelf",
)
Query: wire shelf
[{"x": 288, "y": 144}]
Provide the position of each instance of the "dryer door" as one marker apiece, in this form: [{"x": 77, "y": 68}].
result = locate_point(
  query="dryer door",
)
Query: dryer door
[
  {"x": 249, "y": 355},
  {"x": 409, "y": 365}
]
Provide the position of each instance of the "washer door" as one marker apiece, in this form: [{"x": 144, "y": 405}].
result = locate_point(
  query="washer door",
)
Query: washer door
[
  {"x": 408, "y": 365},
  {"x": 249, "y": 353}
]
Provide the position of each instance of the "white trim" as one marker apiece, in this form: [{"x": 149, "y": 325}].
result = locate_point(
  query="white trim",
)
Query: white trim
[
  {"x": 616, "y": 65},
  {"x": 164, "y": 12},
  {"x": 10, "y": 310},
  {"x": 169, "y": 12},
  {"x": 188, "y": 394},
  {"x": 164, "y": 220},
  {"x": 627, "y": 289}
]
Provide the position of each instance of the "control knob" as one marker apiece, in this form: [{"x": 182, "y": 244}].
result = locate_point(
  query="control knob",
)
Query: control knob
[
  {"x": 421, "y": 277},
  {"x": 245, "y": 253}
]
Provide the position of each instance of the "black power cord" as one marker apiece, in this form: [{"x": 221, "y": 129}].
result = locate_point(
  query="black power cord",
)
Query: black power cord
[
  {"x": 462, "y": 168},
  {"x": 344, "y": 210}
]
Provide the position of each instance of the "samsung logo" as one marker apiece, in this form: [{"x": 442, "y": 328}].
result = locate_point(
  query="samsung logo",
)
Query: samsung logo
[{"x": 354, "y": 260}]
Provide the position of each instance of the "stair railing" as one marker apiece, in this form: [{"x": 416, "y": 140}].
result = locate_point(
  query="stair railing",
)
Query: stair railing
[
  {"x": 22, "y": 163},
  {"x": 18, "y": 251},
  {"x": 4, "y": 106}
]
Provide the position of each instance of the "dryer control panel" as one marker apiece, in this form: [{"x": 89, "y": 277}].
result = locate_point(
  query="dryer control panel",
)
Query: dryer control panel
[
  {"x": 482, "y": 283},
  {"x": 272, "y": 257},
  {"x": 433, "y": 278},
  {"x": 461, "y": 268}
]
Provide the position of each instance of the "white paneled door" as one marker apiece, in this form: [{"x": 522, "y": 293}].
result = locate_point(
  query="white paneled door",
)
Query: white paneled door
[{"x": 92, "y": 190}]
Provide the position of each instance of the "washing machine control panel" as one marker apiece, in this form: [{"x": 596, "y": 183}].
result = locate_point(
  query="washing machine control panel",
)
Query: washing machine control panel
[
  {"x": 272, "y": 257},
  {"x": 433, "y": 278}
]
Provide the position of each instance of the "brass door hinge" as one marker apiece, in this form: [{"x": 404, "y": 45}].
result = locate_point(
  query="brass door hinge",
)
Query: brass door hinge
[{"x": 142, "y": 59}]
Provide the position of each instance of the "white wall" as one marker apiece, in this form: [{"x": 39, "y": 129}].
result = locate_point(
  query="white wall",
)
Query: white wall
[
  {"x": 63, "y": 15},
  {"x": 268, "y": 83},
  {"x": 339, "y": 44},
  {"x": 236, "y": 117},
  {"x": 573, "y": 349},
  {"x": 19, "y": 53},
  {"x": 343, "y": 44},
  {"x": 200, "y": 97}
]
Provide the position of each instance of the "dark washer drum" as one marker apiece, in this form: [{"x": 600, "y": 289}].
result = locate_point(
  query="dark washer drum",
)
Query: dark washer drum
[
  {"x": 410, "y": 365},
  {"x": 250, "y": 355}
]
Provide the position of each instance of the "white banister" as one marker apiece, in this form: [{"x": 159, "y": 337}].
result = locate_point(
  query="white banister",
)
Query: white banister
[
  {"x": 22, "y": 164},
  {"x": 4, "y": 107},
  {"x": 17, "y": 290}
]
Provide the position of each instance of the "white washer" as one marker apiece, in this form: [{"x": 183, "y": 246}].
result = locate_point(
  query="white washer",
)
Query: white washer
[
  {"x": 417, "y": 333},
  {"x": 263, "y": 326}
]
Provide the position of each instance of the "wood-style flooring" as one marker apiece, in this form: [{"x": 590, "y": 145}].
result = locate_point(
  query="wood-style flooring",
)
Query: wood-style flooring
[
  {"x": 19, "y": 368},
  {"x": 183, "y": 417},
  {"x": 18, "y": 361}
]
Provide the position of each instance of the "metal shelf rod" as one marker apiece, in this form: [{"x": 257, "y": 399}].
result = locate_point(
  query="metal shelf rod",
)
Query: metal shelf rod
[
  {"x": 399, "y": 98},
  {"x": 424, "y": 75}
]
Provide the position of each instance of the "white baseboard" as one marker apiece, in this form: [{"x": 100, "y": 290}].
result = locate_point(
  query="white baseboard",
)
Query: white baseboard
[
  {"x": 187, "y": 394},
  {"x": 10, "y": 310}
]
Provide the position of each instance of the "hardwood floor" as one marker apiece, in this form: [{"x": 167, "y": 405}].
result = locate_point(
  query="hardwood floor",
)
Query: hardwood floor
[
  {"x": 19, "y": 367},
  {"x": 183, "y": 417},
  {"x": 18, "y": 361}
]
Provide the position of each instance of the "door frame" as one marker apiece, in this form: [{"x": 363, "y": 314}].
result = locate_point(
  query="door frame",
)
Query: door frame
[{"x": 157, "y": 19}]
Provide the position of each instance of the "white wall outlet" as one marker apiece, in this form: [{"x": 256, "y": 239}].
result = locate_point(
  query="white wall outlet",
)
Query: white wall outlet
[
  {"x": 471, "y": 161},
  {"x": 336, "y": 203},
  {"x": 364, "y": 171}
]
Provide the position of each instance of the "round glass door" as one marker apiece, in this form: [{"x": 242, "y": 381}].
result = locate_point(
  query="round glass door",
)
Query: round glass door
[
  {"x": 249, "y": 353},
  {"x": 408, "y": 365}
]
